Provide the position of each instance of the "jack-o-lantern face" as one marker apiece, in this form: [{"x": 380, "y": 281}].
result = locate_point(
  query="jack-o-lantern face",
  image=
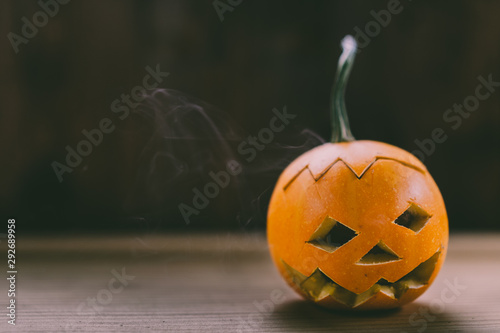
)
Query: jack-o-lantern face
[{"x": 358, "y": 225}]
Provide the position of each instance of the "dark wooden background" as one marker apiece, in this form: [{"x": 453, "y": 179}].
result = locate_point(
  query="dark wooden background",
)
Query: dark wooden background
[{"x": 264, "y": 54}]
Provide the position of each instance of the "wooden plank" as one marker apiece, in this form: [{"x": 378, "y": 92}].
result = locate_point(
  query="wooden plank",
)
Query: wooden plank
[{"x": 223, "y": 283}]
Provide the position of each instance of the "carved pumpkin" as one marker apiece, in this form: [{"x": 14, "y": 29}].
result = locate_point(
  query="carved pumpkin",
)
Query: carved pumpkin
[{"x": 357, "y": 224}]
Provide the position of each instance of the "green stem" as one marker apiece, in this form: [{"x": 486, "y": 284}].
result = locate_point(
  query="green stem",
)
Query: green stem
[{"x": 341, "y": 132}]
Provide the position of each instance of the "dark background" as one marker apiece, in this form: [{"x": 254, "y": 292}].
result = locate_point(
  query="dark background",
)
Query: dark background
[{"x": 264, "y": 55}]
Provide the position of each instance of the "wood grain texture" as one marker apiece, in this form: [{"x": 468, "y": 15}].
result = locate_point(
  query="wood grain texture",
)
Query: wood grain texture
[{"x": 225, "y": 283}]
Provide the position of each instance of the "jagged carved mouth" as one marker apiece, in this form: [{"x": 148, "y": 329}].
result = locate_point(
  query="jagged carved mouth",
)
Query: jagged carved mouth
[{"x": 318, "y": 285}]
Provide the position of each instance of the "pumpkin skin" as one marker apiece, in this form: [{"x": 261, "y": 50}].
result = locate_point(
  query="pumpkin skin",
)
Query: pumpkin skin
[{"x": 367, "y": 187}]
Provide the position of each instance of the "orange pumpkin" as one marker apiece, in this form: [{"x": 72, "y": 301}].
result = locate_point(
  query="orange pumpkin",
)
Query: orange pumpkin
[{"x": 357, "y": 224}]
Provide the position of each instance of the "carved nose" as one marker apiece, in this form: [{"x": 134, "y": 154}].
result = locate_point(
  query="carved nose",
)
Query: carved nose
[{"x": 379, "y": 254}]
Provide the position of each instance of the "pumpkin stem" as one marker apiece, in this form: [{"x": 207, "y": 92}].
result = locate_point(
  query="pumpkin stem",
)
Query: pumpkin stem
[{"x": 341, "y": 132}]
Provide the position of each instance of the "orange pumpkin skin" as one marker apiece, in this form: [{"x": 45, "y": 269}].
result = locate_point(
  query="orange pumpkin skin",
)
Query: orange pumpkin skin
[{"x": 365, "y": 186}]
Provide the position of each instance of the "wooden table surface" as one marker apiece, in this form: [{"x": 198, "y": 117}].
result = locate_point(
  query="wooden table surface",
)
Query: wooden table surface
[{"x": 223, "y": 283}]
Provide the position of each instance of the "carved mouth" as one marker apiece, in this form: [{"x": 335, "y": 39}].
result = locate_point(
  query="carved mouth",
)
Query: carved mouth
[{"x": 318, "y": 285}]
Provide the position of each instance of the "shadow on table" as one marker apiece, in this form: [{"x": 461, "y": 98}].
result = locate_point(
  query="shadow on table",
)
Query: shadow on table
[{"x": 299, "y": 315}]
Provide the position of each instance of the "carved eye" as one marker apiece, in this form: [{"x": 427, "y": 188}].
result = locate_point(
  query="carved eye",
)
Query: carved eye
[
  {"x": 414, "y": 218},
  {"x": 331, "y": 235}
]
